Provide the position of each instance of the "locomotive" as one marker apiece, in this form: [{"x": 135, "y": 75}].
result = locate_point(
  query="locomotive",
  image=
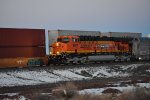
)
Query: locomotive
[{"x": 84, "y": 49}]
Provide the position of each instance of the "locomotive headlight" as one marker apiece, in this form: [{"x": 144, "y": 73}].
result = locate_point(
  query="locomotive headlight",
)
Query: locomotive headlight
[
  {"x": 57, "y": 44},
  {"x": 58, "y": 53},
  {"x": 50, "y": 53},
  {"x": 140, "y": 58}
]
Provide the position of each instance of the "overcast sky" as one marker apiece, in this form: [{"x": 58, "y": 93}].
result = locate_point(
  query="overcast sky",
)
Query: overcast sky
[{"x": 94, "y": 15}]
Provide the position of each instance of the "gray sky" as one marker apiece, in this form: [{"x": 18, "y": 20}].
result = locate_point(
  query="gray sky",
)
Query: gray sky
[{"x": 94, "y": 15}]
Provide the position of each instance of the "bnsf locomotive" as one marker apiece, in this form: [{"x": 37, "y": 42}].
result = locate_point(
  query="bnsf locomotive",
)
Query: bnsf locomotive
[{"x": 82, "y": 49}]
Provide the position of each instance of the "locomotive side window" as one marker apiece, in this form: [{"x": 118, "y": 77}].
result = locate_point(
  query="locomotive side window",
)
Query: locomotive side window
[
  {"x": 75, "y": 40},
  {"x": 65, "y": 40}
]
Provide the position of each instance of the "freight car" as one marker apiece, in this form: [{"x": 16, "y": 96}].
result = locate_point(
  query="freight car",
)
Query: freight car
[
  {"x": 82, "y": 49},
  {"x": 22, "y": 47}
]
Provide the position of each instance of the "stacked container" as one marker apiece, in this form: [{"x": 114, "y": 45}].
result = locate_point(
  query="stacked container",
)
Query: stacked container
[
  {"x": 18, "y": 46},
  {"x": 122, "y": 34}
]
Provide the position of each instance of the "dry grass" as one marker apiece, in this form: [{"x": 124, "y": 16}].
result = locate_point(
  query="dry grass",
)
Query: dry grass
[
  {"x": 65, "y": 91},
  {"x": 91, "y": 97},
  {"x": 71, "y": 88},
  {"x": 137, "y": 94},
  {"x": 67, "y": 86}
]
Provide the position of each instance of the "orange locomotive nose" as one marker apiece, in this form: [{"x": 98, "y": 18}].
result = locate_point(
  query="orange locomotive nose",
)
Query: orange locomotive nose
[
  {"x": 56, "y": 47},
  {"x": 57, "y": 44}
]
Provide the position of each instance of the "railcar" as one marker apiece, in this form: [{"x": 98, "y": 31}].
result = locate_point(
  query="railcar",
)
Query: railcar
[{"x": 21, "y": 47}]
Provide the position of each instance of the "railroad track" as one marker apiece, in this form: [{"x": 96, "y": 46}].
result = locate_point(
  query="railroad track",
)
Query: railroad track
[{"x": 33, "y": 68}]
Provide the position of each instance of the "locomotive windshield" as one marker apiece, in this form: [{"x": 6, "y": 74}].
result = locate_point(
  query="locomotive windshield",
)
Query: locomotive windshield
[
  {"x": 63, "y": 40},
  {"x": 59, "y": 40}
]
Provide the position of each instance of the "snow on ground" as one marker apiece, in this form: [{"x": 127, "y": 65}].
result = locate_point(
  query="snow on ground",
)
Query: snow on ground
[
  {"x": 68, "y": 74},
  {"x": 16, "y": 96},
  {"x": 22, "y": 98},
  {"x": 37, "y": 77},
  {"x": 132, "y": 66},
  {"x": 148, "y": 70},
  {"x": 95, "y": 91},
  {"x": 145, "y": 85},
  {"x": 28, "y": 77},
  {"x": 98, "y": 91},
  {"x": 10, "y": 94}
]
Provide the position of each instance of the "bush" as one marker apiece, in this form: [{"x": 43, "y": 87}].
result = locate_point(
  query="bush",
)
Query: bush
[
  {"x": 68, "y": 91},
  {"x": 137, "y": 94}
]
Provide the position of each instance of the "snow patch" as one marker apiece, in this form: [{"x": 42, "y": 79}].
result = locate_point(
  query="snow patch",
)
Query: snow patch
[
  {"x": 10, "y": 94},
  {"x": 22, "y": 98},
  {"x": 98, "y": 91},
  {"x": 145, "y": 85}
]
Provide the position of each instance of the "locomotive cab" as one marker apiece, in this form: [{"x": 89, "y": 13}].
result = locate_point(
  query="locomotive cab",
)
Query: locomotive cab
[
  {"x": 65, "y": 44},
  {"x": 67, "y": 39}
]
